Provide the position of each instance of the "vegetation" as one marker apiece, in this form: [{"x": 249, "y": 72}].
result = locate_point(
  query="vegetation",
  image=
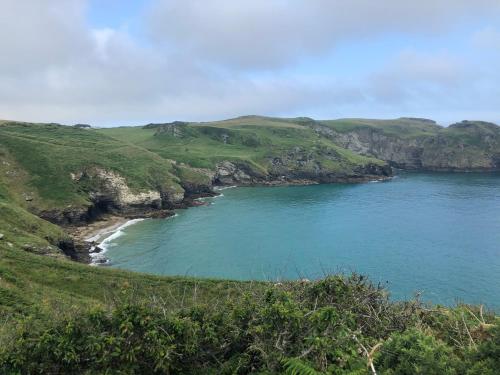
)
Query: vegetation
[
  {"x": 251, "y": 139},
  {"x": 472, "y": 133},
  {"x": 38, "y": 160},
  {"x": 338, "y": 325}
]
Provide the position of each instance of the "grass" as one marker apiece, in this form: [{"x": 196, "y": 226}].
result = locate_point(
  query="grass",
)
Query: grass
[
  {"x": 253, "y": 140},
  {"x": 48, "y": 154},
  {"x": 34, "y": 283},
  {"x": 405, "y": 128}
]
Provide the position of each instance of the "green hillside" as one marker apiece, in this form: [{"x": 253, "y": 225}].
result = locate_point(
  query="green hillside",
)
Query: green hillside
[
  {"x": 251, "y": 139},
  {"x": 42, "y": 157},
  {"x": 402, "y": 127}
]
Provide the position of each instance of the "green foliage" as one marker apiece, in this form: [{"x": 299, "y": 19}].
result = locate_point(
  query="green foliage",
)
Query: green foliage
[
  {"x": 251, "y": 140},
  {"x": 414, "y": 352},
  {"x": 293, "y": 328},
  {"x": 486, "y": 359},
  {"x": 294, "y": 366}
]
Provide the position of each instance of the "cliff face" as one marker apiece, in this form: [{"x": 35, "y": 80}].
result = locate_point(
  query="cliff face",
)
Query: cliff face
[
  {"x": 296, "y": 167},
  {"x": 109, "y": 192},
  {"x": 465, "y": 146}
]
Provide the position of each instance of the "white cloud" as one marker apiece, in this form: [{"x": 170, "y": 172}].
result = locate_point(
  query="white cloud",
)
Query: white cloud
[
  {"x": 207, "y": 60},
  {"x": 271, "y": 33}
]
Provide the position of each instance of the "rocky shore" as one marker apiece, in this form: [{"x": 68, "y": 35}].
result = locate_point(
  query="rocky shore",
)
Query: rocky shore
[{"x": 112, "y": 202}]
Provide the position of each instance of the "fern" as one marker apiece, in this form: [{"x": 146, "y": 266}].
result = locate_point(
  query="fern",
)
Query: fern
[{"x": 294, "y": 366}]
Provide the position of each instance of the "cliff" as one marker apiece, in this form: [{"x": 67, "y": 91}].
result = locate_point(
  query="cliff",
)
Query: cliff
[{"x": 419, "y": 144}]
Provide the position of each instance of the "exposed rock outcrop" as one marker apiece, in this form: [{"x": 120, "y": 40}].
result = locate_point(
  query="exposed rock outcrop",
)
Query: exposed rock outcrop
[
  {"x": 77, "y": 250},
  {"x": 475, "y": 150},
  {"x": 108, "y": 192},
  {"x": 297, "y": 166}
]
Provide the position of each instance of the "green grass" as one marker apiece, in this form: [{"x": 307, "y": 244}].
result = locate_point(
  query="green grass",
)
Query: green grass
[
  {"x": 253, "y": 140},
  {"x": 36, "y": 283},
  {"x": 405, "y": 128},
  {"x": 48, "y": 154}
]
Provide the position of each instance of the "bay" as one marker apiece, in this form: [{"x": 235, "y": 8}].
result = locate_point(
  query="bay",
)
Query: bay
[{"x": 433, "y": 233}]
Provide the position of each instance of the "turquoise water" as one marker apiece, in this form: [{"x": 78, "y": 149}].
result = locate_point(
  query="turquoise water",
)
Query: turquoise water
[{"x": 434, "y": 233}]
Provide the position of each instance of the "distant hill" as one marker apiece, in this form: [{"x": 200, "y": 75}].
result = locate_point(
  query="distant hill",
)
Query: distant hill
[{"x": 420, "y": 143}]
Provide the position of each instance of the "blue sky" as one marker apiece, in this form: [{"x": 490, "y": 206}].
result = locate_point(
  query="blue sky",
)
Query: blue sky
[{"x": 111, "y": 62}]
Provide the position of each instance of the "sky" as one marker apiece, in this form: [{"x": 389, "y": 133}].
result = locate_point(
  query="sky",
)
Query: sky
[{"x": 125, "y": 62}]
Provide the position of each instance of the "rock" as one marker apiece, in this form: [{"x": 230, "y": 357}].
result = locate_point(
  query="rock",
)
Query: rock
[
  {"x": 156, "y": 214},
  {"x": 1, "y": 236},
  {"x": 438, "y": 150},
  {"x": 77, "y": 250},
  {"x": 174, "y": 129},
  {"x": 228, "y": 173},
  {"x": 95, "y": 250},
  {"x": 114, "y": 188},
  {"x": 68, "y": 215}
]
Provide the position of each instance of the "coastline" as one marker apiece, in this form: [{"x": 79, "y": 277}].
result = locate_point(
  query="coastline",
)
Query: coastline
[
  {"x": 98, "y": 230},
  {"x": 95, "y": 235}
]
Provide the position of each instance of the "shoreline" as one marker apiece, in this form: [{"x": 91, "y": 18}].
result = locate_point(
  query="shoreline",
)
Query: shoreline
[{"x": 97, "y": 233}]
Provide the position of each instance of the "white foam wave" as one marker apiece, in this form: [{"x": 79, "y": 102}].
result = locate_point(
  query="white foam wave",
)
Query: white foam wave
[
  {"x": 224, "y": 187},
  {"x": 99, "y": 258}
]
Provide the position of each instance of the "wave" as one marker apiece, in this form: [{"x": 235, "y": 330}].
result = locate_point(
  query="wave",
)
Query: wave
[
  {"x": 224, "y": 187},
  {"x": 107, "y": 242}
]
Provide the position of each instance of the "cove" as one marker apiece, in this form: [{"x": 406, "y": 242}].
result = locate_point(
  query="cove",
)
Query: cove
[{"x": 435, "y": 233}]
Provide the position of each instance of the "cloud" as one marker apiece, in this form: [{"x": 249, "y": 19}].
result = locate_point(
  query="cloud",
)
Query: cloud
[
  {"x": 413, "y": 78},
  {"x": 487, "y": 38},
  {"x": 203, "y": 60},
  {"x": 266, "y": 34}
]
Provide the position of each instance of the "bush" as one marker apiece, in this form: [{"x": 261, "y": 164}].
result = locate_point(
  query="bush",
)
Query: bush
[
  {"x": 414, "y": 352},
  {"x": 322, "y": 327}
]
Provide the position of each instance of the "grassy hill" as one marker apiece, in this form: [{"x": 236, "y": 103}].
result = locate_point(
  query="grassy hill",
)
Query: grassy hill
[
  {"x": 402, "y": 127},
  {"x": 38, "y": 160},
  {"x": 252, "y": 139}
]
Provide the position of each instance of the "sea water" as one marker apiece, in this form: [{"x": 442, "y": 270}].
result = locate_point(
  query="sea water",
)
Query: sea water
[{"x": 437, "y": 234}]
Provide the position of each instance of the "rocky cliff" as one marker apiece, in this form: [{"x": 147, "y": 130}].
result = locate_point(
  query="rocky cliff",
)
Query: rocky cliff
[{"x": 465, "y": 146}]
